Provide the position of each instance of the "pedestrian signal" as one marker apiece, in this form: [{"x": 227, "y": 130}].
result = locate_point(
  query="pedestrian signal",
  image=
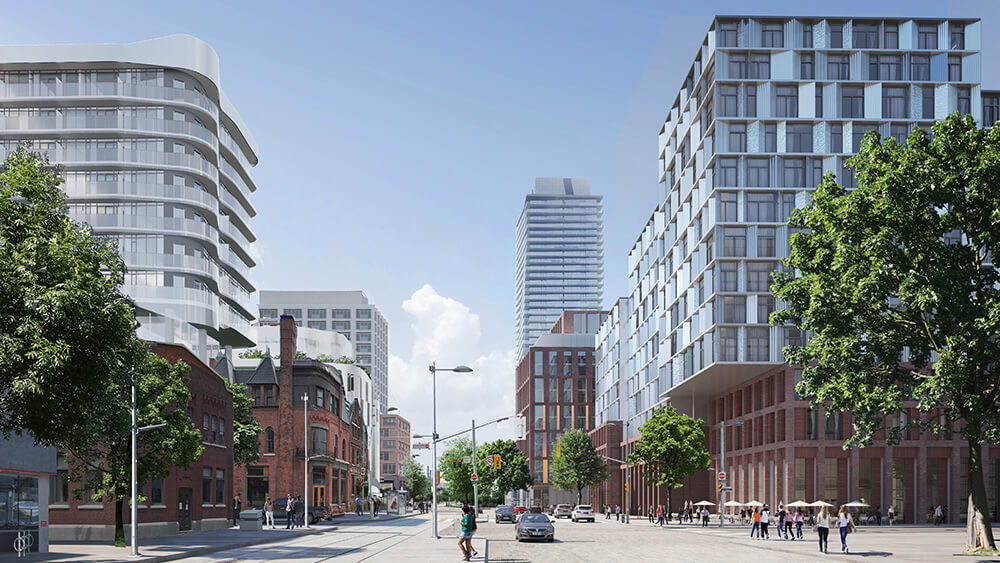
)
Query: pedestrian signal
[{"x": 496, "y": 462}]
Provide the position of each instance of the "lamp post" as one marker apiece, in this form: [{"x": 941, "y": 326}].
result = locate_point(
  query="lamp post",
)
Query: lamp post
[
  {"x": 434, "y": 369},
  {"x": 722, "y": 468},
  {"x": 305, "y": 461},
  {"x": 135, "y": 472}
]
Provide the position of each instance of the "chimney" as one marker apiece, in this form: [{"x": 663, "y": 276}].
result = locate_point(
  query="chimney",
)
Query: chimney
[
  {"x": 288, "y": 333},
  {"x": 286, "y": 401}
]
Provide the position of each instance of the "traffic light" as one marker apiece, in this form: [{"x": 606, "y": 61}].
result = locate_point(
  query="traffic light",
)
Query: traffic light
[
  {"x": 720, "y": 487},
  {"x": 496, "y": 462}
]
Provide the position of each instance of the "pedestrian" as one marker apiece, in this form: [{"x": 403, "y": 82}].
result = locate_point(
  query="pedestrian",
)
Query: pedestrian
[
  {"x": 618, "y": 513},
  {"x": 755, "y": 525},
  {"x": 237, "y": 507},
  {"x": 743, "y": 516},
  {"x": 300, "y": 510},
  {"x": 705, "y": 516},
  {"x": 289, "y": 512},
  {"x": 374, "y": 507},
  {"x": 799, "y": 519},
  {"x": 846, "y": 525},
  {"x": 878, "y": 515},
  {"x": 823, "y": 529},
  {"x": 891, "y": 515},
  {"x": 765, "y": 519},
  {"x": 651, "y": 513},
  {"x": 788, "y": 525},
  {"x": 465, "y": 538},
  {"x": 659, "y": 515},
  {"x": 779, "y": 521},
  {"x": 938, "y": 515},
  {"x": 269, "y": 512},
  {"x": 607, "y": 512}
]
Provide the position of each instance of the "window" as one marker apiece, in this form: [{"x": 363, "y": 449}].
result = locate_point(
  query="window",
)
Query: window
[
  {"x": 847, "y": 175},
  {"x": 727, "y": 101},
  {"x": 807, "y": 35},
  {"x": 268, "y": 314},
  {"x": 811, "y": 431},
  {"x": 205, "y": 427},
  {"x": 317, "y": 313},
  {"x": 770, "y": 137},
  {"x": 885, "y": 67},
  {"x": 581, "y": 390},
  {"x": 852, "y": 101},
  {"x": 222, "y": 431},
  {"x": 858, "y": 135},
  {"x": 268, "y": 395},
  {"x": 927, "y": 102},
  {"x": 927, "y": 36},
  {"x": 269, "y": 440},
  {"x": 256, "y": 395},
  {"x": 389, "y": 468},
  {"x": 760, "y": 207},
  {"x": 734, "y": 242},
  {"x": 964, "y": 100},
  {"x": 793, "y": 172},
  {"x": 340, "y": 325},
  {"x": 766, "y": 239},
  {"x": 833, "y": 426},
  {"x": 920, "y": 67},
  {"x": 838, "y": 67},
  {"x": 760, "y": 66},
  {"x": 59, "y": 483},
  {"x": 727, "y": 34},
  {"x": 296, "y": 313},
  {"x": 837, "y": 137},
  {"x": 806, "y": 67},
  {"x": 215, "y": 430},
  {"x": 815, "y": 174},
  {"x": 894, "y": 102},
  {"x": 991, "y": 109},
  {"x": 798, "y": 137},
  {"x": 819, "y": 100},
  {"x": 751, "y": 100},
  {"x": 727, "y": 206},
  {"x": 341, "y": 313},
  {"x": 727, "y": 338},
  {"x": 837, "y": 35},
  {"x": 321, "y": 325},
  {"x": 728, "y": 276},
  {"x": 738, "y": 65},
  {"x": 758, "y": 172},
  {"x": 765, "y": 306},
  {"x": 759, "y": 275},
  {"x": 787, "y": 101},
  {"x": 864, "y": 36},
  {"x": 737, "y": 137},
  {"x": 957, "y": 34},
  {"x": 899, "y": 133},
  {"x": 206, "y": 485},
  {"x": 156, "y": 491},
  {"x": 364, "y": 313},
  {"x": 955, "y": 68},
  {"x": 759, "y": 344},
  {"x": 320, "y": 398},
  {"x": 734, "y": 309},
  {"x": 773, "y": 35},
  {"x": 891, "y": 35},
  {"x": 220, "y": 486},
  {"x": 727, "y": 172}
]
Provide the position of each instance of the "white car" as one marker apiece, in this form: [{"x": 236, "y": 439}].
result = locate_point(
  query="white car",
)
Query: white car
[
  {"x": 563, "y": 511},
  {"x": 582, "y": 512}
]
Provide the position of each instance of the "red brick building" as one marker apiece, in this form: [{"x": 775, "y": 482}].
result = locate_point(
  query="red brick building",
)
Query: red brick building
[
  {"x": 336, "y": 432},
  {"x": 394, "y": 449},
  {"x": 197, "y": 498}
]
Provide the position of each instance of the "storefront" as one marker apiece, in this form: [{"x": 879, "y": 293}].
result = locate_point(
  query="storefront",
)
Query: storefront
[{"x": 25, "y": 471}]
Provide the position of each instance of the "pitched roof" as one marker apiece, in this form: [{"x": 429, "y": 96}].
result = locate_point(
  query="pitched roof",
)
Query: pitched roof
[{"x": 263, "y": 374}]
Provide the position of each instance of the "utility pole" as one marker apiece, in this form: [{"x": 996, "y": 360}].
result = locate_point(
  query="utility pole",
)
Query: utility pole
[{"x": 475, "y": 483}]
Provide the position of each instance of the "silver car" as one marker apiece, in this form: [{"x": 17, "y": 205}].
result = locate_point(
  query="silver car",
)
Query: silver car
[
  {"x": 534, "y": 527},
  {"x": 563, "y": 511}
]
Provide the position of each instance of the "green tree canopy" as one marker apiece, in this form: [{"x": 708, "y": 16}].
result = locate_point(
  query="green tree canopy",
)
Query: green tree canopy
[
  {"x": 458, "y": 475},
  {"x": 246, "y": 429},
  {"x": 897, "y": 289},
  {"x": 577, "y": 464},
  {"x": 417, "y": 481},
  {"x": 67, "y": 334},
  {"x": 513, "y": 474},
  {"x": 671, "y": 447}
]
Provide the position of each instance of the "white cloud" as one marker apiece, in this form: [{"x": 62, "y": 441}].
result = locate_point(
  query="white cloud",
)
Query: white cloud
[{"x": 447, "y": 332}]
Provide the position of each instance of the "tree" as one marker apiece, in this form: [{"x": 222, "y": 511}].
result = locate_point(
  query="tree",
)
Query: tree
[
  {"x": 513, "y": 474},
  {"x": 458, "y": 475},
  {"x": 246, "y": 429},
  {"x": 577, "y": 464},
  {"x": 896, "y": 288},
  {"x": 417, "y": 481},
  {"x": 671, "y": 447},
  {"x": 67, "y": 334},
  {"x": 105, "y": 468}
]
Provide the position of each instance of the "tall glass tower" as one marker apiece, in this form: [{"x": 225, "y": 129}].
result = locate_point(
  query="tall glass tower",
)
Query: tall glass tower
[{"x": 560, "y": 256}]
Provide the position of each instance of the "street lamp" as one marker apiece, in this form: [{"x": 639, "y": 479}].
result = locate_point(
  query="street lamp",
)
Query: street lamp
[
  {"x": 305, "y": 460},
  {"x": 722, "y": 468},
  {"x": 434, "y": 369},
  {"x": 135, "y": 471}
]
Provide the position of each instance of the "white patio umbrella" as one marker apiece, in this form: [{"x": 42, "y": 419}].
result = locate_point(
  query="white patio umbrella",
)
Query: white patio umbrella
[
  {"x": 754, "y": 503},
  {"x": 732, "y": 503},
  {"x": 704, "y": 503},
  {"x": 857, "y": 504},
  {"x": 798, "y": 504},
  {"x": 820, "y": 504}
]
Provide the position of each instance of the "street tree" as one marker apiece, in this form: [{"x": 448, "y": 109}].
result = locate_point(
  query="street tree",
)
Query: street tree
[
  {"x": 513, "y": 474},
  {"x": 577, "y": 464},
  {"x": 105, "y": 468},
  {"x": 246, "y": 429},
  {"x": 67, "y": 334},
  {"x": 894, "y": 282},
  {"x": 458, "y": 475},
  {"x": 671, "y": 446},
  {"x": 417, "y": 481}
]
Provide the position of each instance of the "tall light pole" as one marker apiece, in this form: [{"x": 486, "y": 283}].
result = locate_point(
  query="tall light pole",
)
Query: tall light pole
[
  {"x": 305, "y": 460},
  {"x": 722, "y": 468},
  {"x": 434, "y": 369},
  {"x": 135, "y": 471},
  {"x": 475, "y": 471}
]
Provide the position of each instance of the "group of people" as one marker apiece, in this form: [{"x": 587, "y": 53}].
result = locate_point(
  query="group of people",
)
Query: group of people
[
  {"x": 468, "y": 530},
  {"x": 761, "y": 519},
  {"x": 373, "y": 502},
  {"x": 295, "y": 510},
  {"x": 660, "y": 514}
]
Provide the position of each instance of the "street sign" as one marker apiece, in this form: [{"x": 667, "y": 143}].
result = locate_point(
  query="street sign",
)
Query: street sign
[
  {"x": 474, "y": 477},
  {"x": 422, "y": 446},
  {"x": 362, "y": 471},
  {"x": 722, "y": 476},
  {"x": 727, "y": 489}
]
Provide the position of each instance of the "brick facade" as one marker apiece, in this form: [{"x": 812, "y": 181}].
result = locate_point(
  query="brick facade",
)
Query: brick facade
[{"x": 395, "y": 432}]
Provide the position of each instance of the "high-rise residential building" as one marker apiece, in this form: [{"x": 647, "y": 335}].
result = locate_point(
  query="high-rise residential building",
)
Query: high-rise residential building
[
  {"x": 155, "y": 158},
  {"x": 769, "y": 105},
  {"x": 346, "y": 312},
  {"x": 611, "y": 364},
  {"x": 560, "y": 256},
  {"x": 394, "y": 449},
  {"x": 554, "y": 392}
]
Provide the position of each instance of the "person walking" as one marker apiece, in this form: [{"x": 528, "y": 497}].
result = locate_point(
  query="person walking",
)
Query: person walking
[
  {"x": 300, "y": 510},
  {"x": 618, "y": 513},
  {"x": 799, "y": 519},
  {"x": 607, "y": 512},
  {"x": 357, "y": 506},
  {"x": 788, "y": 525},
  {"x": 465, "y": 538},
  {"x": 237, "y": 507},
  {"x": 289, "y": 512},
  {"x": 823, "y": 529},
  {"x": 878, "y": 515},
  {"x": 846, "y": 525},
  {"x": 660, "y": 511},
  {"x": 938, "y": 515},
  {"x": 269, "y": 512},
  {"x": 891, "y": 515},
  {"x": 779, "y": 520},
  {"x": 659, "y": 515},
  {"x": 765, "y": 521},
  {"x": 755, "y": 523}
]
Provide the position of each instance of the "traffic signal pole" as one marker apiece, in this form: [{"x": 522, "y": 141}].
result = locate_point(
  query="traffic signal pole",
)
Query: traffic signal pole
[{"x": 475, "y": 473}]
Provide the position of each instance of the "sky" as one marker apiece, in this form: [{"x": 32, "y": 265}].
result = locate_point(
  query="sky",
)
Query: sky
[{"x": 398, "y": 139}]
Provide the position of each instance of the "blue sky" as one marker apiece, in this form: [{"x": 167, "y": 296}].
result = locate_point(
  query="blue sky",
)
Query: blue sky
[{"x": 398, "y": 139}]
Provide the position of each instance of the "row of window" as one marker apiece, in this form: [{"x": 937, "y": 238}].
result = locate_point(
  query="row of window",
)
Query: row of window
[
  {"x": 757, "y": 66},
  {"x": 560, "y": 393},
  {"x": 562, "y": 420},
  {"x": 870, "y": 35},
  {"x": 555, "y": 363},
  {"x": 271, "y": 313}
]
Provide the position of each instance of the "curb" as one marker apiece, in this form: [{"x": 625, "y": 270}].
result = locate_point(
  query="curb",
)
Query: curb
[{"x": 216, "y": 548}]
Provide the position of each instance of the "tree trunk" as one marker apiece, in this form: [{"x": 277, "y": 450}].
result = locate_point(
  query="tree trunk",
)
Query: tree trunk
[
  {"x": 980, "y": 533},
  {"x": 670, "y": 493},
  {"x": 120, "y": 520},
  {"x": 579, "y": 495}
]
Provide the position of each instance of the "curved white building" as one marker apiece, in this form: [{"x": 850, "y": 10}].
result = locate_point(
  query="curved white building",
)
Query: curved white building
[{"x": 156, "y": 158}]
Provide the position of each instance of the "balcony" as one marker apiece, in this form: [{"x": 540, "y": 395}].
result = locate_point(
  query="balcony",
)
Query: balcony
[
  {"x": 93, "y": 190},
  {"x": 111, "y": 89},
  {"x": 76, "y": 121},
  {"x": 191, "y": 264},
  {"x": 146, "y": 224}
]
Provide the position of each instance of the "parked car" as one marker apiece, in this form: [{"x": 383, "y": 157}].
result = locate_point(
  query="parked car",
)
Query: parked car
[
  {"x": 534, "y": 527},
  {"x": 519, "y": 509},
  {"x": 316, "y": 513},
  {"x": 582, "y": 512},
  {"x": 535, "y": 510},
  {"x": 505, "y": 513},
  {"x": 563, "y": 511}
]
